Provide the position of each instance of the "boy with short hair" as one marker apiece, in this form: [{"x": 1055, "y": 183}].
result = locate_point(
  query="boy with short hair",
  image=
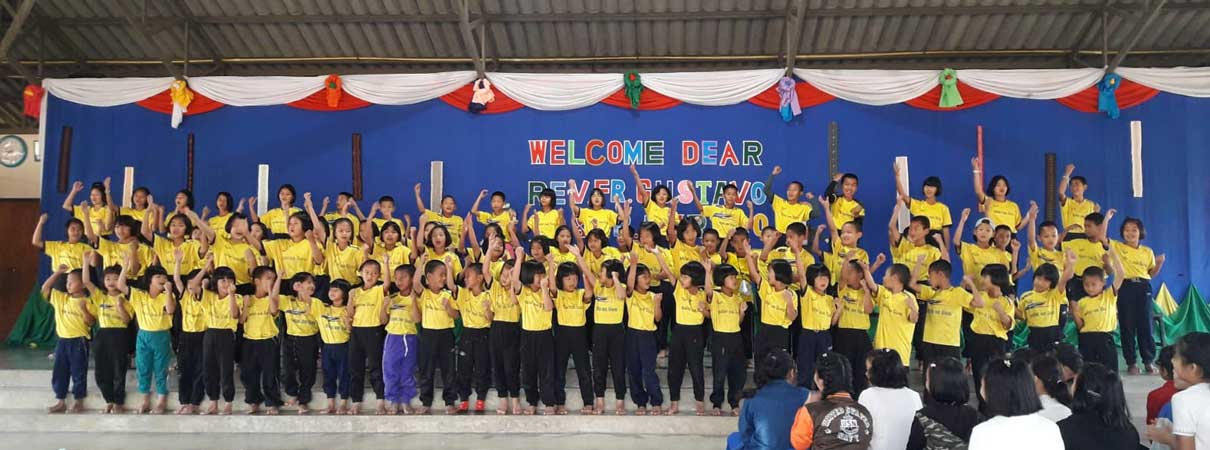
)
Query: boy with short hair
[{"x": 73, "y": 323}]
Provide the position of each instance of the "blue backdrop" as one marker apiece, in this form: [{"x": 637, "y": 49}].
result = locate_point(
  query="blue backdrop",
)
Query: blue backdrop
[{"x": 312, "y": 151}]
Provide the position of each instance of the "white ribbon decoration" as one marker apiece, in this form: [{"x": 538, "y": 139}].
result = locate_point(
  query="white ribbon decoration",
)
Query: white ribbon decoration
[
  {"x": 404, "y": 89},
  {"x": 557, "y": 91},
  {"x": 257, "y": 91},
  {"x": 712, "y": 88},
  {"x": 106, "y": 91},
  {"x": 871, "y": 87},
  {"x": 1037, "y": 84},
  {"x": 1189, "y": 81}
]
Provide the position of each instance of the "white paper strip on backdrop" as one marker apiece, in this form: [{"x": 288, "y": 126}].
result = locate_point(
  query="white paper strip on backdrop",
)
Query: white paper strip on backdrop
[
  {"x": 404, "y": 89},
  {"x": 1190, "y": 81},
  {"x": 871, "y": 87},
  {"x": 557, "y": 91},
  {"x": 106, "y": 91},
  {"x": 1038, "y": 84},
  {"x": 1136, "y": 158},
  {"x": 712, "y": 88},
  {"x": 257, "y": 91}
]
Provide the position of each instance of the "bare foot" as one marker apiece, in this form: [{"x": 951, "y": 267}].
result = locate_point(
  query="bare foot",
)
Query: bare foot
[
  {"x": 303, "y": 409},
  {"x": 423, "y": 411},
  {"x": 354, "y": 410},
  {"x": 515, "y": 405},
  {"x": 291, "y": 401},
  {"x": 734, "y": 412},
  {"x": 657, "y": 410},
  {"x": 146, "y": 406},
  {"x": 548, "y": 411},
  {"x": 561, "y": 410},
  {"x": 641, "y": 411},
  {"x": 160, "y": 405},
  {"x": 212, "y": 410},
  {"x": 716, "y": 412},
  {"x": 673, "y": 408},
  {"x": 76, "y": 407},
  {"x": 598, "y": 406},
  {"x": 118, "y": 409},
  {"x": 272, "y": 411},
  {"x": 529, "y": 411},
  {"x": 252, "y": 409},
  {"x": 181, "y": 410},
  {"x": 56, "y": 408},
  {"x": 451, "y": 410},
  {"x": 588, "y": 411},
  {"x": 619, "y": 408},
  {"x": 226, "y": 410},
  {"x": 108, "y": 409},
  {"x": 381, "y": 410},
  {"x": 502, "y": 407},
  {"x": 342, "y": 411},
  {"x": 701, "y": 409}
]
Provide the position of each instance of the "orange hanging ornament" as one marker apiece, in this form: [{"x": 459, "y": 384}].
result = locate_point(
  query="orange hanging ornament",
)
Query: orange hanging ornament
[
  {"x": 333, "y": 86},
  {"x": 33, "y": 100}
]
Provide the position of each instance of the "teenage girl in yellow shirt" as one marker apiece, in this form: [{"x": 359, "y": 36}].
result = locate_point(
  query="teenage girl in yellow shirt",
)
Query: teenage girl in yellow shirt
[
  {"x": 571, "y": 330},
  {"x": 609, "y": 335},
  {"x": 401, "y": 312},
  {"x": 643, "y": 312},
  {"x": 993, "y": 200},
  {"x": 938, "y": 213},
  {"x": 275, "y": 219},
  {"x": 392, "y": 241},
  {"x": 68, "y": 253},
  {"x": 1140, "y": 264},
  {"x": 448, "y": 216},
  {"x": 138, "y": 203},
  {"x": 224, "y": 205},
  {"x": 110, "y": 348},
  {"x": 260, "y": 351},
  {"x": 190, "y": 335},
  {"x": 730, "y": 365},
  {"x": 596, "y": 216},
  {"x": 74, "y": 317},
  {"x": 98, "y": 209},
  {"x": 1097, "y": 313},
  {"x": 655, "y": 202},
  {"x": 179, "y": 236},
  {"x": 546, "y": 220}
]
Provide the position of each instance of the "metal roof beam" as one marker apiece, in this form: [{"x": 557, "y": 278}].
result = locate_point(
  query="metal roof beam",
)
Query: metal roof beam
[
  {"x": 139, "y": 22},
  {"x": 793, "y": 31},
  {"x": 473, "y": 49},
  {"x": 14, "y": 29},
  {"x": 182, "y": 9},
  {"x": 1155, "y": 7}
]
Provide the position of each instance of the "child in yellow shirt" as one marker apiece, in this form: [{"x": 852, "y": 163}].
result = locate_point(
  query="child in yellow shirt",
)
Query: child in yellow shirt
[
  {"x": 820, "y": 312},
  {"x": 73, "y": 321},
  {"x": 111, "y": 349},
  {"x": 1097, "y": 313},
  {"x": 153, "y": 310},
  {"x": 532, "y": 293},
  {"x": 609, "y": 335},
  {"x": 438, "y": 311},
  {"x": 218, "y": 344},
  {"x": 366, "y": 337},
  {"x": 260, "y": 352},
  {"x": 334, "y": 326},
  {"x": 897, "y": 311},
  {"x": 726, "y": 312},
  {"x": 191, "y": 334},
  {"x": 571, "y": 328},
  {"x": 300, "y": 347},
  {"x": 401, "y": 312},
  {"x": 644, "y": 311}
]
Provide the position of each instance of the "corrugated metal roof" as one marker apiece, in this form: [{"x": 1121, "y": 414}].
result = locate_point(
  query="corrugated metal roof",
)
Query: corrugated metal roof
[{"x": 247, "y": 37}]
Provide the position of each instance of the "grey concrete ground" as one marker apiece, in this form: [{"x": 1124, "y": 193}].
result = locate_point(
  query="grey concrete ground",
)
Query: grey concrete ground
[{"x": 92, "y": 441}]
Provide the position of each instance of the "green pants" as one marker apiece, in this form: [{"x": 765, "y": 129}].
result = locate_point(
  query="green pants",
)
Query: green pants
[{"x": 152, "y": 353}]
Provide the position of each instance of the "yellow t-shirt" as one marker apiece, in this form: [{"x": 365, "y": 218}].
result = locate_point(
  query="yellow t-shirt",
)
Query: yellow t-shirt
[
  {"x": 687, "y": 304},
  {"x": 1039, "y": 256},
  {"x": 366, "y": 304},
  {"x": 99, "y": 216},
  {"x": 453, "y": 224},
  {"x": 114, "y": 253},
  {"x": 299, "y": 321},
  {"x": 343, "y": 264},
  {"x": 975, "y": 258},
  {"x": 233, "y": 255},
  {"x": 136, "y": 214},
  {"x": 400, "y": 255},
  {"x": 598, "y": 219},
  {"x": 218, "y": 311},
  {"x": 503, "y": 219},
  {"x": 290, "y": 257},
  {"x": 648, "y": 259},
  {"x": 433, "y": 315},
  {"x": 561, "y": 257},
  {"x": 571, "y": 308},
  {"x": 937, "y": 213},
  {"x": 150, "y": 310},
  {"x": 399, "y": 320},
  {"x": 608, "y": 308},
  {"x": 843, "y": 210},
  {"x": 277, "y": 219},
  {"x": 193, "y": 312},
  {"x": 332, "y": 217},
  {"x": 816, "y": 310},
  {"x": 69, "y": 315},
  {"x": 1073, "y": 213},
  {"x": 332, "y": 329},
  {"x": 1004, "y": 212},
  {"x": 741, "y": 266},
  {"x": 534, "y": 316},
  {"x": 787, "y": 255},
  {"x": 595, "y": 262},
  {"x": 106, "y": 307},
  {"x": 448, "y": 256},
  {"x": 379, "y": 222},
  {"x": 987, "y": 320},
  {"x": 852, "y": 309},
  {"x": 190, "y": 259},
  {"x": 218, "y": 223},
  {"x": 1088, "y": 254},
  {"x": 545, "y": 223},
  {"x": 725, "y": 313},
  {"x": 658, "y": 214},
  {"x": 834, "y": 260},
  {"x": 724, "y": 219},
  {"x": 1136, "y": 262},
  {"x": 681, "y": 253},
  {"x": 640, "y": 308},
  {"x": 259, "y": 323},
  {"x": 66, "y": 253},
  {"x": 1100, "y": 312},
  {"x": 474, "y": 314},
  {"x": 906, "y": 253},
  {"x": 1041, "y": 309},
  {"x": 895, "y": 327},
  {"x": 786, "y": 213},
  {"x": 943, "y": 317},
  {"x": 503, "y": 307},
  {"x": 773, "y": 305}
]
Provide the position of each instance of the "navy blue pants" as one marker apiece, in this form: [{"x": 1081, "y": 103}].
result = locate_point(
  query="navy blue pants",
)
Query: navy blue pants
[
  {"x": 811, "y": 344},
  {"x": 336, "y": 370},
  {"x": 71, "y": 364},
  {"x": 1134, "y": 317},
  {"x": 644, "y": 384}
]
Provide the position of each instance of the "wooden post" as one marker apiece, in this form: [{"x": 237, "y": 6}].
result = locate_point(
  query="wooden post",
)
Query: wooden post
[
  {"x": 189, "y": 163},
  {"x": 64, "y": 159},
  {"x": 357, "y": 166},
  {"x": 833, "y": 150},
  {"x": 1052, "y": 194}
]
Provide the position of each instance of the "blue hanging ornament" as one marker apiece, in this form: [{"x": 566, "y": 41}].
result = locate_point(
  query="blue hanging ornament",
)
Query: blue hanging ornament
[{"x": 1107, "y": 99}]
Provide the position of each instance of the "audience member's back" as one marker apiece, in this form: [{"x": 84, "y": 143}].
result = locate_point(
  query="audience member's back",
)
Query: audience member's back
[
  {"x": 945, "y": 421},
  {"x": 891, "y": 403},
  {"x": 1099, "y": 419},
  {"x": 835, "y": 422},
  {"x": 1012, "y": 406},
  {"x": 766, "y": 418}
]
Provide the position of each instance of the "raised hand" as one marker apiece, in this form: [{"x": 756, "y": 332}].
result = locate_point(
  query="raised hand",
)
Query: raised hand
[
  {"x": 1068, "y": 169},
  {"x": 974, "y": 163},
  {"x": 966, "y": 213},
  {"x": 106, "y": 183},
  {"x": 482, "y": 193},
  {"x": 1159, "y": 259},
  {"x": 42, "y": 219},
  {"x": 251, "y": 202},
  {"x": 881, "y": 259},
  {"x": 810, "y": 196},
  {"x": 776, "y": 170},
  {"x": 77, "y": 187},
  {"x": 417, "y": 188},
  {"x": 62, "y": 269}
]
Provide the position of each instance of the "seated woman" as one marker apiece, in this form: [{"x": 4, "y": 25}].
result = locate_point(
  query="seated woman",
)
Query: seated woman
[
  {"x": 836, "y": 421},
  {"x": 1099, "y": 417},
  {"x": 766, "y": 418},
  {"x": 945, "y": 421},
  {"x": 1053, "y": 392},
  {"x": 1012, "y": 406},
  {"x": 891, "y": 403}
]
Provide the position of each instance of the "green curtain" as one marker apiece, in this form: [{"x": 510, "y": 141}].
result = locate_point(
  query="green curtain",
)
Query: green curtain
[
  {"x": 36, "y": 324},
  {"x": 1192, "y": 315}
]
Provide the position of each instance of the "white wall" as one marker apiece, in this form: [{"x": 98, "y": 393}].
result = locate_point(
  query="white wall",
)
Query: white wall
[{"x": 25, "y": 180}]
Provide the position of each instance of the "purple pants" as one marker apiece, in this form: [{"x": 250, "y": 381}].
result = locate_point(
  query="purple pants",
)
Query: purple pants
[{"x": 399, "y": 367}]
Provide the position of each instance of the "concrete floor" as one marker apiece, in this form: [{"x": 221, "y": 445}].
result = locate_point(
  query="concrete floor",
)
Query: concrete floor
[{"x": 114, "y": 441}]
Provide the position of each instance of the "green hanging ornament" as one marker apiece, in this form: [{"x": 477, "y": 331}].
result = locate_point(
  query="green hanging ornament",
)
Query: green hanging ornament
[
  {"x": 634, "y": 88},
  {"x": 949, "y": 89}
]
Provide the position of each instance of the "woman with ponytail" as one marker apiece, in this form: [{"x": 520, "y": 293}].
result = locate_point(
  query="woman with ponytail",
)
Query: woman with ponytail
[
  {"x": 1053, "y": 392},
  {"x": 767, "y": 416},
  {"x": 1100, "y": 418}
]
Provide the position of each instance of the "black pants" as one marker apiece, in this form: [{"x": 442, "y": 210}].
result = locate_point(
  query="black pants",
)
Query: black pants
[
  {"x": 811, "y": 344},
  {"x": 537, "y": 367},
  {"x": 505, "y": 345},
  {"x": 687, "y": 348},
  {"x": 668, "y": 306},
  {"x": 258, "y": 372},
  {"x": 298, "y": 357},
  {"x": 1043, "y": 339},
  {"x": 218, "y": 361},
  {"x": 112, "y": 360},
  {"x": 854, "y": 344},
  {"x": 1134, "y": 318},
  {"x": 983, "y": 348},
  {"x": 572, "y": 342},
  {"x": 930, "y": 352},
  {"x": 436, "y": 352},
  {"x": 365, "y": 355},
  {"x": 730, "y": 368},
  {"x": 189, "y": 358},
  {"x": 609, "y": 359},
  {"x": 769, "y": 337},
  {"x": 747, "y": 330},
  {"x": 474, "y": 363},
  {"x": 1099, "y": 348}
]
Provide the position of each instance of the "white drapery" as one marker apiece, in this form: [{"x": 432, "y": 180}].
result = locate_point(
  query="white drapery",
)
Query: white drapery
[
  {"x": 712, "y": 88},
  {"x": 1039, "y": 84},
  {"x": 1189, "y": 81},
  {"x": 872, "y": 87},
  {"x": 106, "y": 91},
  {"x": 404, "y": 89},
  {"x": 257, "y": 91},
  {"x": 556, "y": 91}
]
